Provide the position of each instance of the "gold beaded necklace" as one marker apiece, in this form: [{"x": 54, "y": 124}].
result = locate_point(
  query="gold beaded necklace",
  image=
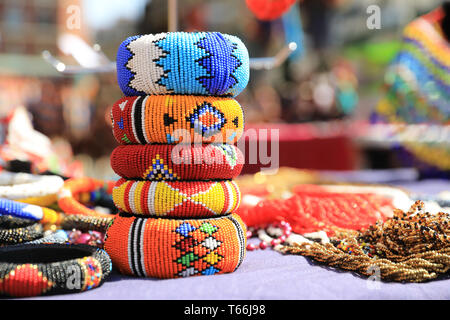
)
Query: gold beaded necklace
[{"x": 411, "y": 246}]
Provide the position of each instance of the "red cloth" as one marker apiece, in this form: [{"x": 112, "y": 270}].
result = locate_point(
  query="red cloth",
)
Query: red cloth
[
  {"x": 269, "y": 9},
  {"x": 303, "y": 146}
]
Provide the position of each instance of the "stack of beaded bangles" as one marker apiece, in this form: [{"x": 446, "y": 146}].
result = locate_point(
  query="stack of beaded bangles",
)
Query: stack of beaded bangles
[
  {"x": 30, "y": 188},
  {"x": 199, "y": 63},
  {"x": 32, "y": 270},
  {"x": 171, "y": 248},
  {"x": 74, "y": 186},
  {"x": 181, "y": 199},
  {"x": 175, "y": 118},
  {"x": 180, "y": 162}
]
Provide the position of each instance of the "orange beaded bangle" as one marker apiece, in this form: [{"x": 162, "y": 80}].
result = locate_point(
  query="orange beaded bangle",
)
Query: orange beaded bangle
[
  {"x": 180, "y": 199},
  {"x": 73, "y": 187},
  {"x": 172, "y": 248},
  {"x": 172, "y": 118}
]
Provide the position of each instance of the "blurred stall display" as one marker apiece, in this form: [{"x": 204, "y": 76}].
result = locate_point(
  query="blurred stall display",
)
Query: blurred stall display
[
  {"x": 269, "y": 9},
  {"x": 418, "y": 145},
  {"x": 313, "y": 202},
  {"x": 293, "y": 31},
  {"x": 22, "y": 142},
  {"x": 325, "y": 145},
  {"x": 275, "y": 185},
  {"x": 92, "y": 238},
  {"x": 418, "y": 92}
]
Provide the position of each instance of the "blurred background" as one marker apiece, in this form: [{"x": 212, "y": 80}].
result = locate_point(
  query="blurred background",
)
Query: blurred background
[{"x": 324, "y": 98}]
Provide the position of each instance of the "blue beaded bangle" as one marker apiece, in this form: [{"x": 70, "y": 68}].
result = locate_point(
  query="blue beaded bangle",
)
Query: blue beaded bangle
[
  {"x": 21, "y": 210},
  {"x": 199, "y": 63}
]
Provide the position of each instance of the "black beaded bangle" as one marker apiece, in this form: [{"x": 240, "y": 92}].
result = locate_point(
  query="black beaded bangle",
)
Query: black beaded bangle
[
  {"x": 30, "y": 270},
  {"x": 21, "y": 234},
  {"x": 8, "y": 222},
  {"x": 86, "y": 223}
]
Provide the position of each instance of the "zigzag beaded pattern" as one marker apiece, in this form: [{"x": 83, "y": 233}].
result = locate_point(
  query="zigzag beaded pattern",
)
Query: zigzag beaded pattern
[
  {"x": 198, "y": 63},
  {"x": 173, "y": 248},
  {"x": 177, "y": 162},
  {"x": 180, "y": 199},
  {"x": 419, "y": 79},
  {"x": 173, "y": 118}
]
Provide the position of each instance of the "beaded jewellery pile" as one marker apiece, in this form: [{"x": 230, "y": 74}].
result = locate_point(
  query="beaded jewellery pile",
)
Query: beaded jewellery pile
[
  {"x": 177, "y": 126},
  {"x": 41, "y": 249}
]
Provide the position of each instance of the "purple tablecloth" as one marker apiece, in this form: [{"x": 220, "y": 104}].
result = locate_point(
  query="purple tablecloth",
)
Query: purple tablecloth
[{"x": 270, "y": 275}]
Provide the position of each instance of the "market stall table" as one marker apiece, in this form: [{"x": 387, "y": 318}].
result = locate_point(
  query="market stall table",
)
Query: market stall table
[{"x": 266, "y": 274}]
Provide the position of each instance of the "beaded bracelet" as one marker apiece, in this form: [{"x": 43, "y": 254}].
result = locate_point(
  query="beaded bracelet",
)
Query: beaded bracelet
[
  {"x": 180, "y": 199},
  {"x": 181, "y": 162},
  {"x": 199, "y": 63},
  {"x": 169, "y": 118},
  {"x": 23, "y": 185},
  {"x": 172, "y": 248},
  {"x": 22, "y": 234},
  {"x": 42, "y": 201},
  {"x": 74, "y": 186},
  {"x": 86, "y": 223},
  {"x": 37, "y": 269},
  {"x": 59, "y": 236},
  {"x": 8, "y": 222},
  {"x": 26, "y": 211}
]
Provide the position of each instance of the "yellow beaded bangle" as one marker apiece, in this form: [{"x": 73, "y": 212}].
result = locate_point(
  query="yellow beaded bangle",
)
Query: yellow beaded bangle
[
  {"x": 43, "y": 201},
  {"x": 187, "y": 199}
]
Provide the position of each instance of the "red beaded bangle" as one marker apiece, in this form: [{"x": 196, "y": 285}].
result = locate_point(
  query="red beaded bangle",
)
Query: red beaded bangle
[
  {"x": 75, "y": 186},
  {"x": 181, "y": 199},
  {"x": 172, "y": 248},
  {"x": 177, "y": 162},
  {"x": 172, "y": 118}
]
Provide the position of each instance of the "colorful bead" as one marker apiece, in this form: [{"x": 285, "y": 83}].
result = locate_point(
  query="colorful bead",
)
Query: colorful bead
[
  {"x": 198, "y": 63},
  {"x": 15, "y": 186},
  {"x": 25, "y": 211}
]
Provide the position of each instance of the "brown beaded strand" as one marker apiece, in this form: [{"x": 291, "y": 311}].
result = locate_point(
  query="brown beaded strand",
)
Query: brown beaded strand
[{"x": 411, "y": 247}]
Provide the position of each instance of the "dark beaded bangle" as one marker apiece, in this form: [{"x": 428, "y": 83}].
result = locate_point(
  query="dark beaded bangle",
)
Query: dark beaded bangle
[
  {"x": 21, "y": 234},
  {"x": 86, "y": 223},
  {"x": 31, "y": 270},
  {"x": 8, "y": 222}
]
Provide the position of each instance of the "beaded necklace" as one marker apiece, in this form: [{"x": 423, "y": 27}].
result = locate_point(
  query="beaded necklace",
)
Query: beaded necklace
[{"x": 411, "y": 246}]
